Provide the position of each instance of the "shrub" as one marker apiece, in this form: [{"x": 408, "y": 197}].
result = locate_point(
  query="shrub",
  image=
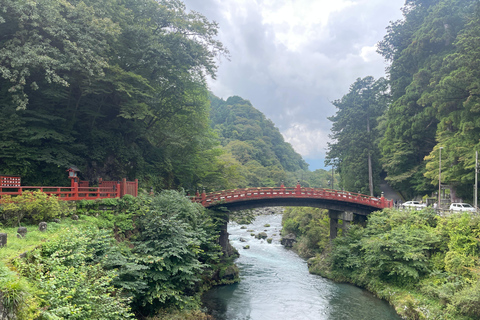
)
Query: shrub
[
  {"x": 71, "y": 276},
  {"x": 33, "y": 207},
  {"x": 467, "y": 301},
  {"x": 176, "y": 243},
  {"x": 16, "y": 296}
]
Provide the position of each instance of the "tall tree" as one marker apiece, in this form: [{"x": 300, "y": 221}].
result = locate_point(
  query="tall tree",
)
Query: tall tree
[
  {"x": 456, "y": 97},
  {"x": 416, "y": 46},
  {"x": 117, "y": 88},
  {"x": 353, "y": 130}
]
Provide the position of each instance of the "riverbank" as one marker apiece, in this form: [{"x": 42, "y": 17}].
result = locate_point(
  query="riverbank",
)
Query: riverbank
[{"x": 424, "y": 265}]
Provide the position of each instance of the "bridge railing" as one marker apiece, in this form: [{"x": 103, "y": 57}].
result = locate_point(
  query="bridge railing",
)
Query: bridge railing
[{"x": 213, "y": 198}]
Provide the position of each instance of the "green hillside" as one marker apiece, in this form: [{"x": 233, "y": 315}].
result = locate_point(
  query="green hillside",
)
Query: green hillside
[{"x": 255, "y": 145}]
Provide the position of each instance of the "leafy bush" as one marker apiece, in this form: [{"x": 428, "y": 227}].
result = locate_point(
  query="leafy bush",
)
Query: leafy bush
[
  {"x": 422, "y": 263},
  {"x": 72, "y": 278},
  {"x": 174, "y": 243},
  {"x": 310, "y": 225},
  {"x": 84, "y": 273},
  {"x": 467, "y": 301},
  {"x": 32, "y": 207},
  {"x": 16, "y": 296}
]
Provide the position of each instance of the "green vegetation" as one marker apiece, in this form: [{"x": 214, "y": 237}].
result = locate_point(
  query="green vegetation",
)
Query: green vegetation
[
  {"x": 426, "y": 266},
  {"x": 116, "y": 88},
  {"x": 432, "y": 102},
  {"x": 354, "y": 152},
  {"x": 254, "y": 147},
  {"x": 123, "y": 258},
  {"x": 310, "y": 225},
  {"x": 31, "y": 208}
]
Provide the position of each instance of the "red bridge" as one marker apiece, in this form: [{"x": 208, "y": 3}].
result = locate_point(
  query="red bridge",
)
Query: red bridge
[
  {"x": 239, "y": 199},
  {"x": 342, "y": 205}
]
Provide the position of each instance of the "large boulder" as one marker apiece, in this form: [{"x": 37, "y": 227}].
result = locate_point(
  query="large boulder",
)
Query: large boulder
[{"x": 288, "y": 240}]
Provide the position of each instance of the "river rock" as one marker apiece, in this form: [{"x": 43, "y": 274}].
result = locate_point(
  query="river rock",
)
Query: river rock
[
  {"x": 288, "y": 240},
  {"x": 242, "y": 240},
  {"x": 262, "y": 235},
  {"x": 229, "y": 273}
]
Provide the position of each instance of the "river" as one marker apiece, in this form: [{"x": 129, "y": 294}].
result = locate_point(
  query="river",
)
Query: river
[{"x": 275, "y": 285}]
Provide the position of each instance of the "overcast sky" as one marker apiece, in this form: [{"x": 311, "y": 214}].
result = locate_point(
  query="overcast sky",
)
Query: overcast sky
[{"x": 291, "y": 58}]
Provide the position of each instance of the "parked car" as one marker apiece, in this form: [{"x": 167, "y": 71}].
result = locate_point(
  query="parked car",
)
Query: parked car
[
  {"x": 462, "y": 207},
  {"x": 414, "y": 204}
]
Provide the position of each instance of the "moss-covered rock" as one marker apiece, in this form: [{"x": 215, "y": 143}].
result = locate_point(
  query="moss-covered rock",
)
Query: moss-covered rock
[{"x": 262, "y": 235}]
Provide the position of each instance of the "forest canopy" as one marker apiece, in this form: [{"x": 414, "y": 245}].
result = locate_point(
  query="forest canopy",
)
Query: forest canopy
[
  {"x": 116, "y": 88},
  {"x": 433, "y": 102}
]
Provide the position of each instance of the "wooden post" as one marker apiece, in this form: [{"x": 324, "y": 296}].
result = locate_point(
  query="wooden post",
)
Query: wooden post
[
  {"x": 204, "y": 196},
  {"x": 117, "y": 191},
  {"x": 75, "y": 191},
  {"x": 123, "y": 187},
  {"x": 136, "y": 187}
]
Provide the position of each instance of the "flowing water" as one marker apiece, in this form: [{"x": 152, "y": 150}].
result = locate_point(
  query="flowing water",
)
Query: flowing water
[{"x": 275, "y": 285}]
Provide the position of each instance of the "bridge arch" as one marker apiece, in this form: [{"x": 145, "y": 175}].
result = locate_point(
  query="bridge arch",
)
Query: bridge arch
[{"x": 344, "y": 205}]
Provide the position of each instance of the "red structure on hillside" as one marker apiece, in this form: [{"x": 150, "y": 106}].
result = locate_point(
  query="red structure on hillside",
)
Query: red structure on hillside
[{"x": 78, "y": 190}]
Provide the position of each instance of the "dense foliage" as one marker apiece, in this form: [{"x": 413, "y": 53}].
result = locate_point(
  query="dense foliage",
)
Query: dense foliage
[
  {"x": 124, "y": 258},
  {"x": 310, "y": 226},
  {"x": 433, "y": 86},
  {"x": 354, "y": 132},
  {"x": 30, "y": 208},
  {"x": 116, "y": 88},
  {"x": 427, "y": 266},
  {"x": 253, "y": 145}
]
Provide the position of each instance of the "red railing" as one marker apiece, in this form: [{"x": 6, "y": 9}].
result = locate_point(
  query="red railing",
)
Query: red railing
[
  {"x": 211, "y": 199},
  {"x": 10, "y": 181},
  {"x": 78, "y": 190},
  {"x": 66, "y": 193}
]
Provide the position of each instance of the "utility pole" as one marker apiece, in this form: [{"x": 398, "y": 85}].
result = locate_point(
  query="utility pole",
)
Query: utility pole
[
  {"x": 332, "y": 176},
  {"x": 370, "y": 174},
  {"x": 476, "y": 181},
  {"x": 439, "y": 176}
]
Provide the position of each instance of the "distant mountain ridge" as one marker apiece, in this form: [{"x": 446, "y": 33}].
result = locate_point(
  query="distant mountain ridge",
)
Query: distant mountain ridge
[{"x": 249, "y": 135}]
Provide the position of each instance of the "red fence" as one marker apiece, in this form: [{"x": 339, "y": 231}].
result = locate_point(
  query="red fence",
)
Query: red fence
[
  {"x": 78, "y": 190},
  {"x": 11, "y": 181},
  {"x": 213, "y": 198}
]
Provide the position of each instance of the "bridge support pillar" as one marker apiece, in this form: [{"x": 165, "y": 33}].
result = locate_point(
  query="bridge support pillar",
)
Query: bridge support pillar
[{"x": 335, "y": 215}]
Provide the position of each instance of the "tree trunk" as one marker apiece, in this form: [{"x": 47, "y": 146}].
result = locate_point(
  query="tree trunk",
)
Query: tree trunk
[{"x": 370, "y": 174}]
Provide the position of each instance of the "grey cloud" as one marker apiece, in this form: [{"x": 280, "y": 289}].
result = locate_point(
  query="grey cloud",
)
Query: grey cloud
[{"x": 296, "y": 87}]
